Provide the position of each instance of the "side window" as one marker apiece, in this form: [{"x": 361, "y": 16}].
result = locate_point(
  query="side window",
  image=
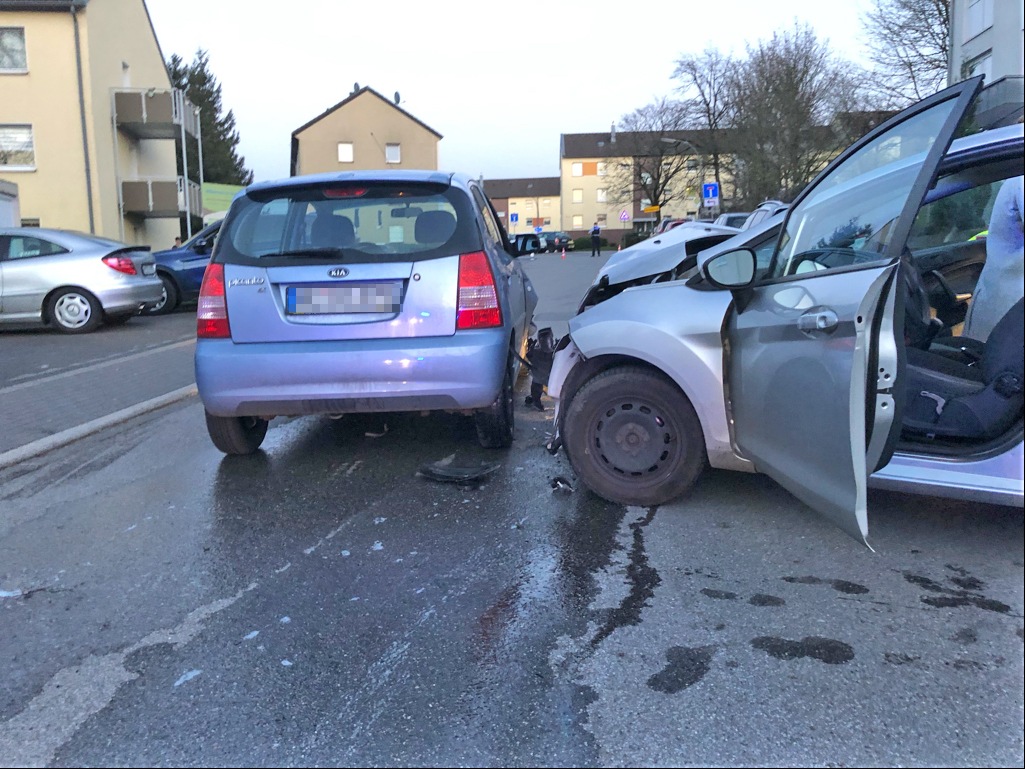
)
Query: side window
[
  {"x": 848, "y": 217},
  {"x": 953, "y": 218},
  {"x": 22, "y": 247},
  {"x": 494, "y": 231}
]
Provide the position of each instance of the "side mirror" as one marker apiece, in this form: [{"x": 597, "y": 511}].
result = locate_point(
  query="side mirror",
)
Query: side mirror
[
  {"x": 202, "y": 246},
  {"x": 732, "y": 269}
]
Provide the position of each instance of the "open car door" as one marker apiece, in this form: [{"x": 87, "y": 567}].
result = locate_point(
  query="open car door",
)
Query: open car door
[{"x": 815, "y": 347}]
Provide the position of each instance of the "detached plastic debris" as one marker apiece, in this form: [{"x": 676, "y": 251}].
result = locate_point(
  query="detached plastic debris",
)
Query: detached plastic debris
[
  {"x": 561, "y": 484},
  {"x": 447, "y": 471}
]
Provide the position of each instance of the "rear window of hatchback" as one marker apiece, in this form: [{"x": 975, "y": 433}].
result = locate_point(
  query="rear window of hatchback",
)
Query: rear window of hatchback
[{"x": 361, "y": 222}]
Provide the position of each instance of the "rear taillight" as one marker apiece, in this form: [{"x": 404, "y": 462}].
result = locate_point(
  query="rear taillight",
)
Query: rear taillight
[
  {"x": 478, "y": 296},
  {"x": 212, "y": 314},
  {"x": 121, "y": 264}
]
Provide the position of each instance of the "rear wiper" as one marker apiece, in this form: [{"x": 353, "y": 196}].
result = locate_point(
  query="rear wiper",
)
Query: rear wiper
[{"x": 325, "y": 251}]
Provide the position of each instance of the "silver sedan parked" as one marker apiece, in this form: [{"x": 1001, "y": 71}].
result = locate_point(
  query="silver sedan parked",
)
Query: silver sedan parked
[{"x": 72, "y": 281}]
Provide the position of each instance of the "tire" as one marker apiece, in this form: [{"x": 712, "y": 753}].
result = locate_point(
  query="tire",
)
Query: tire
[
  {"x": 236, "y": 435},
  {"x": 168, "y": 301},
  {"x": 495, "y": 423},
  {"x": 74, "y": 311},
  {"x": 632, "y": 437}
]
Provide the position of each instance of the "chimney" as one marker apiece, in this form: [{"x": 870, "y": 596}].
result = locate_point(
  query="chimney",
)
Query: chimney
[{"x": 612, "y": 134}]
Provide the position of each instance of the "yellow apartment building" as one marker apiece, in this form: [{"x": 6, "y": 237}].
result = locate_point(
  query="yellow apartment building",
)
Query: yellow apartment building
[{"x": 88, "y": 120}]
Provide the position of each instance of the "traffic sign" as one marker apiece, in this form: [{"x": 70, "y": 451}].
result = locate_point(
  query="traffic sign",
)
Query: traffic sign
[
  {"x": 538, "y": 230},
  {"x": 710, "y": 194},
  {"x": 514, "y": 218},
  {"x": 651, "y": 209},
  {"x": 624, "y": 216}
]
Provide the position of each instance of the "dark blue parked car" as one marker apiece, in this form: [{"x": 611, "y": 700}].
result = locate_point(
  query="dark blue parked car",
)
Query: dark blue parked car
[{"x": 181, "y": 270}]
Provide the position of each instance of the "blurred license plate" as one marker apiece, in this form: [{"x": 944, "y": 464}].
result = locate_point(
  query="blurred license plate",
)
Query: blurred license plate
[
  {"x": 355, "y": 297},
  {"x": 149, "y": 269}
]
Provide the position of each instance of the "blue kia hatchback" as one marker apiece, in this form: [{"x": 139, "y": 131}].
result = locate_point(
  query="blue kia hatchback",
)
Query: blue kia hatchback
[{"x": 376, "y": 291}]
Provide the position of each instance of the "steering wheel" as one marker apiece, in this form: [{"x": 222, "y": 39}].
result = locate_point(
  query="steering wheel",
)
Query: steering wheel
[{"x": 920, "y": 327}]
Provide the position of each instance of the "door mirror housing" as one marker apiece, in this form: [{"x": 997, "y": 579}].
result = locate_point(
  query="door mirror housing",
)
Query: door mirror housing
[{"x": 732, "y": 269}]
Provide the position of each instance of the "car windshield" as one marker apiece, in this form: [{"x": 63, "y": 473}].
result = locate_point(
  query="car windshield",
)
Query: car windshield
[{"x": 377, "y": 222}]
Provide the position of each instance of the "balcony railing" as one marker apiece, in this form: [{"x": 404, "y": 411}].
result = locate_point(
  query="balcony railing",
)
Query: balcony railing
[
  {"x": 155, "y": 114},
  {"x": 156, "y": 198}
]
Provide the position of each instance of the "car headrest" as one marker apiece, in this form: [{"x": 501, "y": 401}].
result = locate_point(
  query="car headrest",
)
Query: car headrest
[
  {"x": 434, "y": 227},
  {"x": 331, "y": 230}
]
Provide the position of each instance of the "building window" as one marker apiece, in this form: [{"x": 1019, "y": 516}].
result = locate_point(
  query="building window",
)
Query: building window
[
  {"x": 392, "y": 153},
  {"x": 601, "y": 168},
  {"x": 578, "y": 169},
  {"x": 29, "y": 222},
  {"x": 546, "y": 202},
  {"x": 12, "y": 50},
  {"x": 16, "y": 150},
  {"x": 578, "y": 196},
  {"x": 602, "y": 195},
  {"x": 578, "y": 222},
  {"x": 602, "y": 219},
  {"x": 983, "y": 65},
  {"x": 979, "y": 18},
  {"x": 345, "y": 152}
]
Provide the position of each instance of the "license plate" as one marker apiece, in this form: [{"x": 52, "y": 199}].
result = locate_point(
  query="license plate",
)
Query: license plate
[
  {"x": 353, "y": 297},
  {"x": 149, "y": 269}
]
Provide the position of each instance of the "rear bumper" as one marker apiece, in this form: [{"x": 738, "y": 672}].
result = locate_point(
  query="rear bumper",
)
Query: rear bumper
[
  {"x": 460, "y": 372},
  {"x": 130, "y": 298}
]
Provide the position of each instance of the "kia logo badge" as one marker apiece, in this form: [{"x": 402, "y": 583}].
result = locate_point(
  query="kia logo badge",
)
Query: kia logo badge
[{"x": 338, "y": 272}]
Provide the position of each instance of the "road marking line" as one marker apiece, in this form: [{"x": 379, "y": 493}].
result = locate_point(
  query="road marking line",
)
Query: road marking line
[
  {"x": 73, "y": 434},
  {"x": 94, "y": 367}
]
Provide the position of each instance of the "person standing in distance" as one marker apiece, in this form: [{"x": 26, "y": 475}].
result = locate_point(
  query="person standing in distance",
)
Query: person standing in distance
[{"x": 596, "y": 240}]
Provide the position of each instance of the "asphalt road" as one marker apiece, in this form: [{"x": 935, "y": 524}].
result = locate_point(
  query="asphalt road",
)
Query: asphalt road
[{"x": 325, "y": 603}]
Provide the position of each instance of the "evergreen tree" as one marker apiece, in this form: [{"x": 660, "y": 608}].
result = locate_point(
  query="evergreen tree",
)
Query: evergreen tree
[{"x": 221, "y": 162}]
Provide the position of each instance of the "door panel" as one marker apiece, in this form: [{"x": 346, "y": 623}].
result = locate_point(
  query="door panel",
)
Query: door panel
[
  {"x": 797, "y": 371},
  {"x": 813, "y": 361}
]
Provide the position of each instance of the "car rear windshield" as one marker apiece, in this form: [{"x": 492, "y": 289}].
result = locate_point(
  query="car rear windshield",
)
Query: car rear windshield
[{"x": 365, "y": 222}]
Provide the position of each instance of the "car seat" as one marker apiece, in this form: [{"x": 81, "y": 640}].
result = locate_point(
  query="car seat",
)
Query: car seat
[
  {"x": 434, "y": 227},
  {"x": 948, "y": 398},
  {"x": 330, "y": 231}
]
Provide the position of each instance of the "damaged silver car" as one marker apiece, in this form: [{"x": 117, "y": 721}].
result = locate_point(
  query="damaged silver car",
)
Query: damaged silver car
[{"x": 821, "y": 348}]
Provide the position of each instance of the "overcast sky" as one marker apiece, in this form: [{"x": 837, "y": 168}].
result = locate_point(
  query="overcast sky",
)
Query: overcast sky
[{"x": 499, "y": 81}]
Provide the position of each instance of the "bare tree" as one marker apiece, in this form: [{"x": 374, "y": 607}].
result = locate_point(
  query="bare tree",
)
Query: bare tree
[
  {"x": 908, "y": 42},
  {"x": 705, "y": 86},
  {"x": 788, "y": 93},
  {"x": 653, "y": 167}
]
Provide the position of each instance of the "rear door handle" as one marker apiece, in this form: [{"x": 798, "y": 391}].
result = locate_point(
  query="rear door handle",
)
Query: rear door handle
[{"x": 818, "y": 320}]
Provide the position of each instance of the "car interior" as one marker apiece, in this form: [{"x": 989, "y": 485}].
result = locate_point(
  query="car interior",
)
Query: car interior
[{"x": 962, "y": 393}]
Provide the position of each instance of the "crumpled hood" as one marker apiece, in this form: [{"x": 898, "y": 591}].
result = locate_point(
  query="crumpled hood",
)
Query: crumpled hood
[{"x": 658, "y": 254}]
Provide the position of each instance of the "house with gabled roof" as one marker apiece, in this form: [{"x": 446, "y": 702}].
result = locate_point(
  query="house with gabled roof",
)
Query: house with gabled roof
[{"x": 365, "y": 131}]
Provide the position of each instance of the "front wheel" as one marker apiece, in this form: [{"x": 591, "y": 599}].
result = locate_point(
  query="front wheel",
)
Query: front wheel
[
  {"x": 633, "y": 437},
  {"x": 236, "y": 435},
  {"x": 495, "y": 423}
]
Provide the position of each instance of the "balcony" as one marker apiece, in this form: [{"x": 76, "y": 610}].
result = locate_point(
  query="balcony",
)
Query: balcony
[
  {"x": 155, "y": 114},
  {"x": 159, "y": 198}
]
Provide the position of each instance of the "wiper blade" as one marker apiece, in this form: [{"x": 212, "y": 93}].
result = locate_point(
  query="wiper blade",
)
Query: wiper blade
[{"x": 326, "y": 251}]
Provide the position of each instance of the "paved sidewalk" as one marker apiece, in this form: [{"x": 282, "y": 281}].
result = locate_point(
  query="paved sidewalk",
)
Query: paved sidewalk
[{"x": 48, "y": 406}]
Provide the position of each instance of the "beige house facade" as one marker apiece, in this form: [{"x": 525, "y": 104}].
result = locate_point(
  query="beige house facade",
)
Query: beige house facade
[
  {"x": 88, "y": 120},
  {"x": 364, "y": 132},
  {"x": 527, "y": 205}
]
